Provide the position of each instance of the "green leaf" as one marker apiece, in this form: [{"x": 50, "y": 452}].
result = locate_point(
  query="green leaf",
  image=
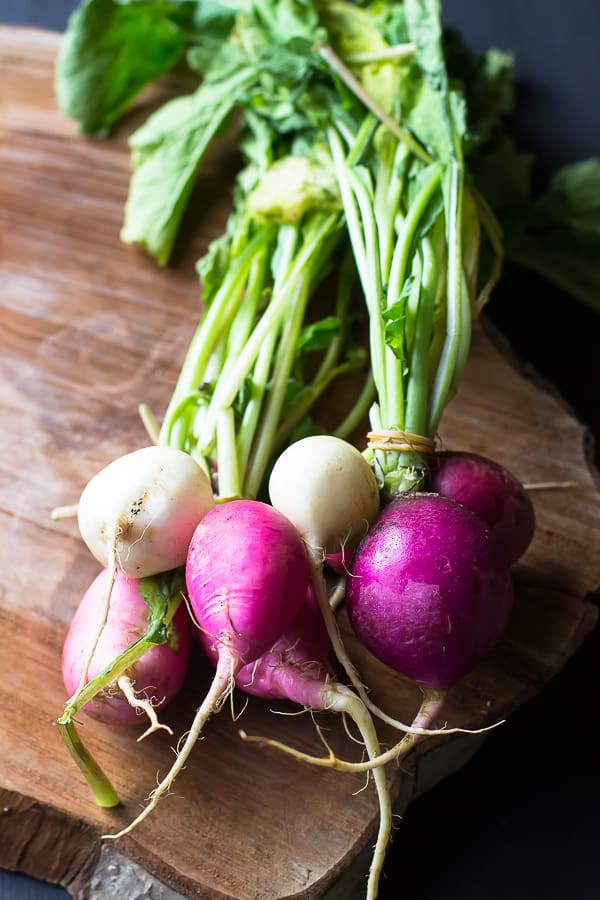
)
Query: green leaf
[
  {"x": 110, "y": 51},
  {"x": 318, "y": 335},
  {"x": 561, "y": 237},
  {"x": 395, "y": 322},
  {"x": 167, "y": 152},
  {"x": 212, "y": 24},
  {"x": 434, "y": 111},
  {"x": 157, "y": 592}
]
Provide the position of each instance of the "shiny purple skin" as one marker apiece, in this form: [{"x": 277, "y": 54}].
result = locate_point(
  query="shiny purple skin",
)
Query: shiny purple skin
[
  {"x": 491, "y": 492},
  {"x": 247, "y": 576},
  {"x": 295, "y": 667},
  {"x": 430, "y": 596},
  {"x": 159, "y": 673}
]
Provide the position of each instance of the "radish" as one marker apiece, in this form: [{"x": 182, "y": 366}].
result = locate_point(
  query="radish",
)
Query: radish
[
  {"x": 150, "y": 681},
  {"x": 123, "y": 660},
  {"x": 430, "y": 594},
  {"x": 142, "y": 508},
  {"x": 490, "y": 491},
  {"x": 295, "y": 669},
  {"x": 327, "y": 489},
  {"x": 247, "y": 577}
]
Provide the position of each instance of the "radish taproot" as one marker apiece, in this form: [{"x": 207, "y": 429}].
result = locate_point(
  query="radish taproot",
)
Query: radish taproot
[
  {"x": 247, "y": 576},
  {"x": 295, "y": 668},
  {"x": 491, "y": 492}
]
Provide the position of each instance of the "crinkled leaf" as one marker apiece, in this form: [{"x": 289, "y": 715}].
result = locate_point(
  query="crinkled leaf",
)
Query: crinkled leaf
[
  {"x": 434, "y": 112},
  {"x": 167, "y": 151},
  {"x": 212, "y": 23},
  {"x": 110, "y": 51},
  {"x": 291, "y": 187}
]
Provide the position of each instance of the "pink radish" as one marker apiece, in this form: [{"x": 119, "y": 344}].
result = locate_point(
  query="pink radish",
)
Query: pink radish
[
  {"x": 247, "y": 577},
  {"x": 153, "y": 680},
  {"x": 122, "y": 659}
]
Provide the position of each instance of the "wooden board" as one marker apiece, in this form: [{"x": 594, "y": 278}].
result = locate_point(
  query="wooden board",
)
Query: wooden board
[{"x": 91, "y": 328}]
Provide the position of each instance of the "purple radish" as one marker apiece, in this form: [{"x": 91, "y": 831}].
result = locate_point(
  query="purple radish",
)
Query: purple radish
[
  {"x": 247, "y": 576},
  {"x": 152, "y": 680},
  {"x": 430, "y": 595},
  {"x": 295, "y": 668},
  {"x": 490, "y": 491}
]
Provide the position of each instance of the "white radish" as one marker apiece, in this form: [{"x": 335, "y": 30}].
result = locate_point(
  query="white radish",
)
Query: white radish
[
  {"x": 327, "y": 489},
  {"x": 141, "y": 510}
]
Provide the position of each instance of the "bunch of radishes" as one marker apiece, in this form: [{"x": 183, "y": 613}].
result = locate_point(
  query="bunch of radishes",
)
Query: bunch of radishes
[{"x": 429, "y": 588}]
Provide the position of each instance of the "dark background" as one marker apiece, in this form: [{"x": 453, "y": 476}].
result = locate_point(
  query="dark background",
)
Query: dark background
[{"x": 520, "y": 820}]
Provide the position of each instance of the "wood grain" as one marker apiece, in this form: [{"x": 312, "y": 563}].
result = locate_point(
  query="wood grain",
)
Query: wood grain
[{"x": 91, "y": 328}]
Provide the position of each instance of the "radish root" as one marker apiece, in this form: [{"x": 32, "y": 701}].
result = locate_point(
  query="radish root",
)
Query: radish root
[
  {"x": 144, "y": 704},
  {"x": 430, "y": 707},
  {"x": 218, "y": 692}
]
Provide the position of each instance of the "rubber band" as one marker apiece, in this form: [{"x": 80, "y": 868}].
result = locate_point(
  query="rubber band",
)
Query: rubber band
[{"x": 400, "y": 441}]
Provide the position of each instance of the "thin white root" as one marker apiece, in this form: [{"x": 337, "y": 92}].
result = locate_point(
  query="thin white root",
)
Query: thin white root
[
  {"x": 550, "y": 485},
  {"x": 64, "y": 512},
  {"x": 336, "y": 597},
  {"x": 112, "y": 573},
  {"x": 144, "y": 704},
  {"x": 150, "y": 422},
  {"x": 429, "y": 709},
  {"x": 344, "y": 700},
  {"x": 219, "y": 690}
]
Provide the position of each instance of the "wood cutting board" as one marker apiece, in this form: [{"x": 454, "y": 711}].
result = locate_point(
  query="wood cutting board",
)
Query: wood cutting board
[{"x": 91, "y": 328}]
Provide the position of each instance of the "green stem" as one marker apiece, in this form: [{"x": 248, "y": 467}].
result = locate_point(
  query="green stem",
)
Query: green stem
[
  {"x": 283, "y": 366},
  {"x": 417, "y": 393},
  {"x": 230, "y": 384},
  {"x": 456, "y": 341},
  {"x": 207, "y": 334},
  {"x": 101, "y": 787},
  {"x": 103, "y": 791}
]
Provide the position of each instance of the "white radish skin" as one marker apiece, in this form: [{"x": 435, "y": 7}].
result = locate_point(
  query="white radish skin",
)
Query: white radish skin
[
  {"x": 141, "y": 510},
  {"x": 327, "y": 489}
]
